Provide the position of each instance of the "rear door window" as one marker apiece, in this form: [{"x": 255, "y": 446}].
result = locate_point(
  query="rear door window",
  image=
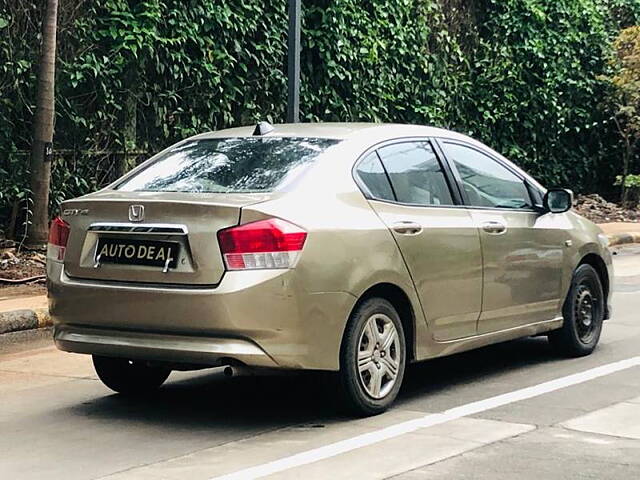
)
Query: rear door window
[
  {"x": 229, "y": 165},
  {"x": 416, "y": 176}
]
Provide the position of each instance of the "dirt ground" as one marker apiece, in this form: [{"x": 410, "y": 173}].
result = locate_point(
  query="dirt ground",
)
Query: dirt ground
[
  {"x": 598, "y": 210},
  {"x": 17, "y": 264}
]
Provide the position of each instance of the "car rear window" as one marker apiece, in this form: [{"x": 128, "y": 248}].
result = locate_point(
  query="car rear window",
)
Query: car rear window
[{"x": 228, "y": 165}]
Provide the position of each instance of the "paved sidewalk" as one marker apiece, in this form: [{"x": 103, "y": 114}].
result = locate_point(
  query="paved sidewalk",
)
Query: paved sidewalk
[
  {"x": 620, "y": 227},
  {"x": 10, "y": 303}
]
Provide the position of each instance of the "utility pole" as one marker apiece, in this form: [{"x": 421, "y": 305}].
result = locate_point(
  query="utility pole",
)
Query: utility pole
[{"x": 293, "y": 70}]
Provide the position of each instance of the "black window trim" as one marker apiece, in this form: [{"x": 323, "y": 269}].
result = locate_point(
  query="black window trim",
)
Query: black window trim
[
  {"x": 386, "y": 174},
  {"x": 454, "y": 187},
  {"x": 467, "y": 204}
]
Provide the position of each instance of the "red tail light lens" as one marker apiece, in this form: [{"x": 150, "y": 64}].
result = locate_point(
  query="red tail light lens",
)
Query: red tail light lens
[
  {"x": 58, "y": 238},
  {"x": 271, "y": 243}
]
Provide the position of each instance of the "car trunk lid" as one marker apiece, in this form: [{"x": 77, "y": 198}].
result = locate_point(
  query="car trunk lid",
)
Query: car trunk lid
[{"x": 145, "y": 237}]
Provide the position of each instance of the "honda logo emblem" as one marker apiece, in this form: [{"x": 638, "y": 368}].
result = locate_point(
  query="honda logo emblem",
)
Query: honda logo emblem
[{"x": 136, "y": 213}]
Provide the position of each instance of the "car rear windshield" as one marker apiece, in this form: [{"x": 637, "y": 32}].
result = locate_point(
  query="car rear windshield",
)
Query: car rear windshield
[{"x": 228, "y": 165}]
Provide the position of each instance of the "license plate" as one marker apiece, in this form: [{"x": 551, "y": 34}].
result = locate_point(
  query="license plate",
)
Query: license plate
[{"x": 137, "y": 252}]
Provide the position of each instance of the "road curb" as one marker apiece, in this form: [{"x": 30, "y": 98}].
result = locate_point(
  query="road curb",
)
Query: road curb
[
  {"x": 28, "y": 319},
  {"x": 623, "y": 238}
]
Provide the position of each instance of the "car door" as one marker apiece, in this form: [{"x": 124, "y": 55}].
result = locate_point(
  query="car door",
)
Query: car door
[
  {"x": 522, "y": 248},
  {"x": 411, "y": 192}
]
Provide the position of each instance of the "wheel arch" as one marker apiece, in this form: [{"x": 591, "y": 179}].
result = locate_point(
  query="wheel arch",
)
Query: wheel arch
[
  {"x": 401, "y": 302},
  {"x": 599, "y": 265}
]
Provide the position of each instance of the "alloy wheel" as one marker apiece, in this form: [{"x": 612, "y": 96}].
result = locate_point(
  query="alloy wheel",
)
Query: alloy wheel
[{"x": 379, "y": 356}]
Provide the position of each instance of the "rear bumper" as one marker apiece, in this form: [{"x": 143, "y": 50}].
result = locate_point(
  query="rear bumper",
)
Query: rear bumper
[
  {"x": 259, "y": 318},
  {"x": 159, "y": 347}
]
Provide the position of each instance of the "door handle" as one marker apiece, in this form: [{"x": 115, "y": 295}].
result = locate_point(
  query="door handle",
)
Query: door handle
[
  {"x": 494, "y": 228},
  {"x": 407, "y": 228}
]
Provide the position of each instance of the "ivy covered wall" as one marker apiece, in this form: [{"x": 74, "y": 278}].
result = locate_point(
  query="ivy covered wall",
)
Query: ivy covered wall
[{"x": 137, "y": 75}]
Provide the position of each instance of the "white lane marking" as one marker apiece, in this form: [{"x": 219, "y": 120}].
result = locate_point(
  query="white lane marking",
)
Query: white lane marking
[{"x": 359, "y": 441}]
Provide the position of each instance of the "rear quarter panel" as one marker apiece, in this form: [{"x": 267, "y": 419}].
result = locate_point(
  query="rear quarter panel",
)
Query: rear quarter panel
[{"x": 348, "y": 248}]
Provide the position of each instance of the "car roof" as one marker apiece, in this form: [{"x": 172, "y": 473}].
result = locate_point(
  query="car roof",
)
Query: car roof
[
  {"x": 338, "y": 131},
  {"x": 359, "y": 135}
]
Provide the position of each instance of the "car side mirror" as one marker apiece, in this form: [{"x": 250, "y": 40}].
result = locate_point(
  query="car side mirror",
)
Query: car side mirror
[{"x": 558, "y": 200}]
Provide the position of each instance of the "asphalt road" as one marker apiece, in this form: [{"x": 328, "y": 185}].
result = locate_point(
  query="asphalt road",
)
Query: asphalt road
[{"x": 57, "y": 421}]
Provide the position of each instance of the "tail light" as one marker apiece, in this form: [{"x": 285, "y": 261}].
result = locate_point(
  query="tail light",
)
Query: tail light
[
  {"x": 271, "y": 243},
  {"x": 58, "y": 237}
]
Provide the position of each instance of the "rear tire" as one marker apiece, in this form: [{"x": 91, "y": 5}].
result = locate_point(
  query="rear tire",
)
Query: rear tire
[
  {"x": 372, "y": 357},
  {"x": 129, "y": 377},
  {"x": 583, "y": 312}
]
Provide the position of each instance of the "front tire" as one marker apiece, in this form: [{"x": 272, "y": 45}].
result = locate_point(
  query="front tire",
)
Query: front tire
[
  {"x": 583, "y": 313},
  {"x": 372, "y": 357},
  {"x": 129, "y": 377}
]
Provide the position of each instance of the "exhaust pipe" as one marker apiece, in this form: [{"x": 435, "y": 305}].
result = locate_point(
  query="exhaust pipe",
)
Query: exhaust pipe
[
  {"x": 237, "y": 371},
  {"x": 240, "y": 370}
]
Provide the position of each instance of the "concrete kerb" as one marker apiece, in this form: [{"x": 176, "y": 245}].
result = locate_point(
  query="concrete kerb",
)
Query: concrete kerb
[
  {"x": 28, "y": 319},
  {"x": 623, "y": 238}
]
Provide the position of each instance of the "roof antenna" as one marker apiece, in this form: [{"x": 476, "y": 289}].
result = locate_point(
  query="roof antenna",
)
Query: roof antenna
[{"x": 263, "y": 128}]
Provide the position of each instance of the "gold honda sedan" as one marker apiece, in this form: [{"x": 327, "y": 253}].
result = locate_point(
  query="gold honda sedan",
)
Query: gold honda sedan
[{"x": 353, "y": 248}]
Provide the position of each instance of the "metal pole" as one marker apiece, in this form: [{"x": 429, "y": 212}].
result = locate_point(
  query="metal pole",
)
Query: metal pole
[{"x": 293, "y": 70}]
